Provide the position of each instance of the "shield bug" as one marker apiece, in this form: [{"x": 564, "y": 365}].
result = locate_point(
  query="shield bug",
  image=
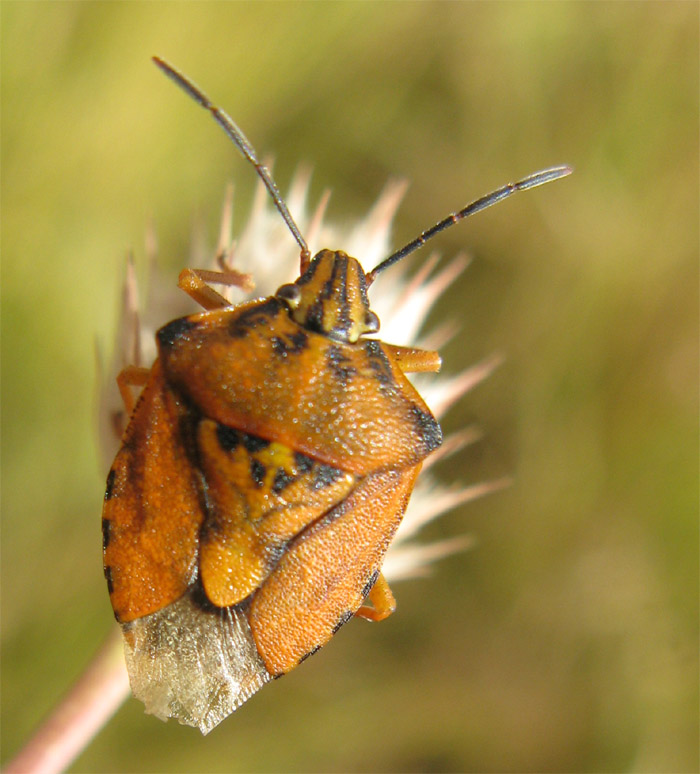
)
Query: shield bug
[{"x": 265, "y": 468}]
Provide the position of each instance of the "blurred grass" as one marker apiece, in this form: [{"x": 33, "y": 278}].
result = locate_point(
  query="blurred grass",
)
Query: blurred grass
[{"x": 568, "y": 640}]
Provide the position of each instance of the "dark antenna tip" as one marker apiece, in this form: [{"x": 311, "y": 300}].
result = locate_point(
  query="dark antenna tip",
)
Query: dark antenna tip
[{"x": 531, "y": 181}]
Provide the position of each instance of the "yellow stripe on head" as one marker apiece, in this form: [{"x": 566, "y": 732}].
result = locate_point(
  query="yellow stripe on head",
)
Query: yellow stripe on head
[{"x": 331, "y": 297}]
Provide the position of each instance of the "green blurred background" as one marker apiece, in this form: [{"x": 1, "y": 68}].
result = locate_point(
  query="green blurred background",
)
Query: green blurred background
[{"x": 568, "y": 639}]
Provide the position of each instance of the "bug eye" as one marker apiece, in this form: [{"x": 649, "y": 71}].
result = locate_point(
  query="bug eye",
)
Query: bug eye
[
  {"x": 291, "y": 294},
  {"x": 371, "y": 323}
]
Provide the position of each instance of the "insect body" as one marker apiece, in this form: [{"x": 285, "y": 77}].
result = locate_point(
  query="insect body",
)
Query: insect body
[{"x": 264, "y": 471}]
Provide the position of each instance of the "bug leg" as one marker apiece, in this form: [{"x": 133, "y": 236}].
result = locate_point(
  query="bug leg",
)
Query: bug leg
[
  {"x": 195, "y": 283},
  {"x": 412, "y": 360},
  {"x": 131, "y": 376},
  {"x": 382, "y": 599}
]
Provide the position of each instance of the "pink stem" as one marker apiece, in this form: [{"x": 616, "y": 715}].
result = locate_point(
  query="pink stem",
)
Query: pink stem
[{"x": 79, "y": 716}]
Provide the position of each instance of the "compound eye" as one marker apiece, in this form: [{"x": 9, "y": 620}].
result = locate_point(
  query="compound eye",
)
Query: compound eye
[
  {"x": 371, "y": 323},
  {"x": 291, "y": 294}
]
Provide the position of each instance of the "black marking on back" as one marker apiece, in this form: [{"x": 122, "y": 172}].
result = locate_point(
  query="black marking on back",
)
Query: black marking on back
[
  {"x": 109, "y": 490},
  {"x": 282, "y": 480},
  {"x": 428, "y": 428},
  {"x": 228, "y": 437},
  {"x": 106, "y": 527},
  {"x": 343, "y": 620},
  {"x": 257, "y": 472},
  {"x": 253, "y": 443},
  {"x": 110, "y": 582},
  {"x": 177, "y": 329},
  {"x": 338, "y": 364},
  {"x": 303, "y": 463},
  {"x": 379, "y": 364},
  {"x": 257, "y": 316},
  {"x": 290, "y": 345},
  {"x": 325, "y": 475}
]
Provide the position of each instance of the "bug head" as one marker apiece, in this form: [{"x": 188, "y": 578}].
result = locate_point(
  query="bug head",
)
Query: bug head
[{"x": 330, "y": 297}]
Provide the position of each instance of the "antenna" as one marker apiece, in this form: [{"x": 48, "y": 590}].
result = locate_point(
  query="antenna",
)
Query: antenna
[
  {"x": 531, "y": 181},
  {"x": 243, "y": 145}
]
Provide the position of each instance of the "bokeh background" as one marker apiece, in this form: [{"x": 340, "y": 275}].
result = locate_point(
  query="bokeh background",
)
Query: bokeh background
[{"x": 567, "y": 640}]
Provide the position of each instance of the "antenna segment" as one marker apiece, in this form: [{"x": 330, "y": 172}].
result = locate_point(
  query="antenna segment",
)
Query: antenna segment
[
  {"x": 243, "y": 145},
  {"x": 532, "y": 181}
]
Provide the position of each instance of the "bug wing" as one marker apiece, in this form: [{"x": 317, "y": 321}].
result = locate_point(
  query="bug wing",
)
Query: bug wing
[
  {"x": 152, "y": 512},
  {"x": 325, "y": 574},
  {"x": 255, "y": 369},
  {"x": 192, "y": 664}
]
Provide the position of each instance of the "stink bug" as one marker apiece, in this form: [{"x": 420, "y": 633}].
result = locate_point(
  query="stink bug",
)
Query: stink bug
[{"x": 265, "y": 468}]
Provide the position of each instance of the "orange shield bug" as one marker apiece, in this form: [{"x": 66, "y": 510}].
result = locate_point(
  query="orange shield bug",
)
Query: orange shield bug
[{"x": 265, "y": 468}]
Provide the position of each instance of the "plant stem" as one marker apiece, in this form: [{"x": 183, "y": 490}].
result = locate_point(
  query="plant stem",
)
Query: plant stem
[{"x": 67, "y": 731}]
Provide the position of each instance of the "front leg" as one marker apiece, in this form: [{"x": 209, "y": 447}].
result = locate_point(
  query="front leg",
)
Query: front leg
[{"x": 195, "y": 283}]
